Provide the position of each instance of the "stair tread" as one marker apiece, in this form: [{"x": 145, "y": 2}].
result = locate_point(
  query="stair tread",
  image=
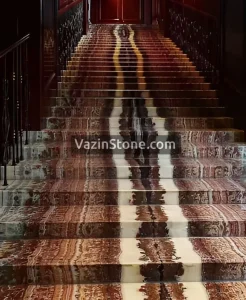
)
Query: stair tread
[
  {"x": 230, "y": 146},
  {"x": 78, "y": 221},
  {"x": 89, "y": 252},
  {"x": 197, "y": 144},
  {"x": 170, "y": 185},
  {"x": 147, "y": 117},
  {"x": 106, "y": 161},
  {"x": 126, "y": 291},
  {"x": 125, "y": 214},
  {"x": 159, "y": 131}
]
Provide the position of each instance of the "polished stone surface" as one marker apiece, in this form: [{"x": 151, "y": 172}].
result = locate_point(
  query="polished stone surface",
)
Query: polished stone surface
[{"x": 139, "y": 224}]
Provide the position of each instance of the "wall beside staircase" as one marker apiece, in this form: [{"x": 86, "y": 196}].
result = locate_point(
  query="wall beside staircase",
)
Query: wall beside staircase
[{"x": 235, "y": 61}]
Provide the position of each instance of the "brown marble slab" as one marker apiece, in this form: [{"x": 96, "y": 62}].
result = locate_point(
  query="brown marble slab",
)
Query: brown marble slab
[
  {"x": 109, "y": 221},
  {"x": 77, "y": 261},
  {"x": 176, "y": 223},
  {"x": 175, "y": 291}
]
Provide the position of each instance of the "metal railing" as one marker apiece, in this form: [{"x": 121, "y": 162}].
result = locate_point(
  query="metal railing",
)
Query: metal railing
[
  {"x": 198, "y": 34},
  {"x": 14, "y": 108}
]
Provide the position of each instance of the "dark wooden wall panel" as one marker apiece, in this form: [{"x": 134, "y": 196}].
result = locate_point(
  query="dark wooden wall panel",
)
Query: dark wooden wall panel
[
  {"x": 109, "y": 11},
  {"x": 208, "y": 6},
  {"x": 132, "y": 11},
  {"x": 117, "y": 11}
]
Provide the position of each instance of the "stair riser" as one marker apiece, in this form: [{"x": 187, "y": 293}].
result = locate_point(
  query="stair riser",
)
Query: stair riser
[
  {"x": 10, "y": 173},
  {"x": 71, "y": 230},
  {"x": 59, "y": 111},
  {"x": 181, "y": 136},
  {"x": 105, "y": 40},
  {"x": 102, "y": 80},
  {"x": 108, "y": 93},
  {"x": 150, "y": 291},
  {"x": 109, "y": 37},
  {"x": 189, "y": 171},
  {"x": 144, "y": 43},
  {"x": 80, "y": 57},
  {"x": 108, "y": 273},
  {"x": 146, "y": 54},
  {"x": 147, "y": 64},
  {"x": 111, "y": 49},
  {"x": 134, "y": 86},
  {"x": 107, "y": 73},
  {"x": 169, "y": 124},
  {"x": 147, "y": 102},
  {"x": 63, "y": 152},
  {"x": 36, "y": 197},
  {"x": 178, "y": 67}
]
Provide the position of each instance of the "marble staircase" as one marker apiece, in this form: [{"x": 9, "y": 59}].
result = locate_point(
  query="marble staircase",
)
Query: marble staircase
[{"x": 142, "y": 224}]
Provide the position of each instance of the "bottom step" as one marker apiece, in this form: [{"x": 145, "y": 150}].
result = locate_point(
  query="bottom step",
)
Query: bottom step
[{"x": 175, "y": 291}]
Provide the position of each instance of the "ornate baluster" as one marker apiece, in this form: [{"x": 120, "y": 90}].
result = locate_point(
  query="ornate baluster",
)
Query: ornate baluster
[
  {"x": 21, "y": 104},
  {"x": 17, "y": 133},
  {"x": 5, "y": 123},
  {"x": 13, "y": 110},
  {"x": 198, "y": 35},
  {"x": 27, "y": 96}
]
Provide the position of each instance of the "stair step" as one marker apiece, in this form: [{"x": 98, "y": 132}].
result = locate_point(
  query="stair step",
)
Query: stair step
[
  {"x": 127, "y": 59},
  {"x": 103, "y": 68},
  {"x": 108, "y": 40},
  {"x": 109, "y": 260},
  {"x": 125, "y": 291},
  {"x": 124, "y": 191},
  {"x": 110, "y": 52},
  {"x": 100, "y": 55},
  {"x": 130, "y": 221},
  {"x": 128, "y": 64},
  {"x": 52, "y": 150},
  {"x": 208, "y": 136},
  {"x": 113, "y": 45},
  {"x": 147, "y": 73},
  {"x": 198, "y": 102},
  {"x": 111, "y": 49},
  {"x": 128, "y": 123},
  {"x": 151, "y": 46},
  {"x": 129, "y": 80},
  {"x": 133, "y": 85},
  {"x": 134, "y": 93},
  {"x": 164, "y": 112},
  {"x": 108, "y": 167}
]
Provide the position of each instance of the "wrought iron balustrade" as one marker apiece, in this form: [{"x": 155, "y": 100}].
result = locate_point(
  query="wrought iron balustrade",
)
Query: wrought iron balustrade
[
  {"x": 198, "y": 34},
  {"x": 14, "y": 108}
]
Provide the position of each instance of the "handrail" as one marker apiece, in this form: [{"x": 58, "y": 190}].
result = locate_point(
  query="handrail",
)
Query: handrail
[
  {"x": 14, "y": 46},
  {"x": 15, "y": 96},
  {"x": 49, "y": 81},
  {"x": 62, "y": 10},
  {"x": 194, "y": 9}
]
